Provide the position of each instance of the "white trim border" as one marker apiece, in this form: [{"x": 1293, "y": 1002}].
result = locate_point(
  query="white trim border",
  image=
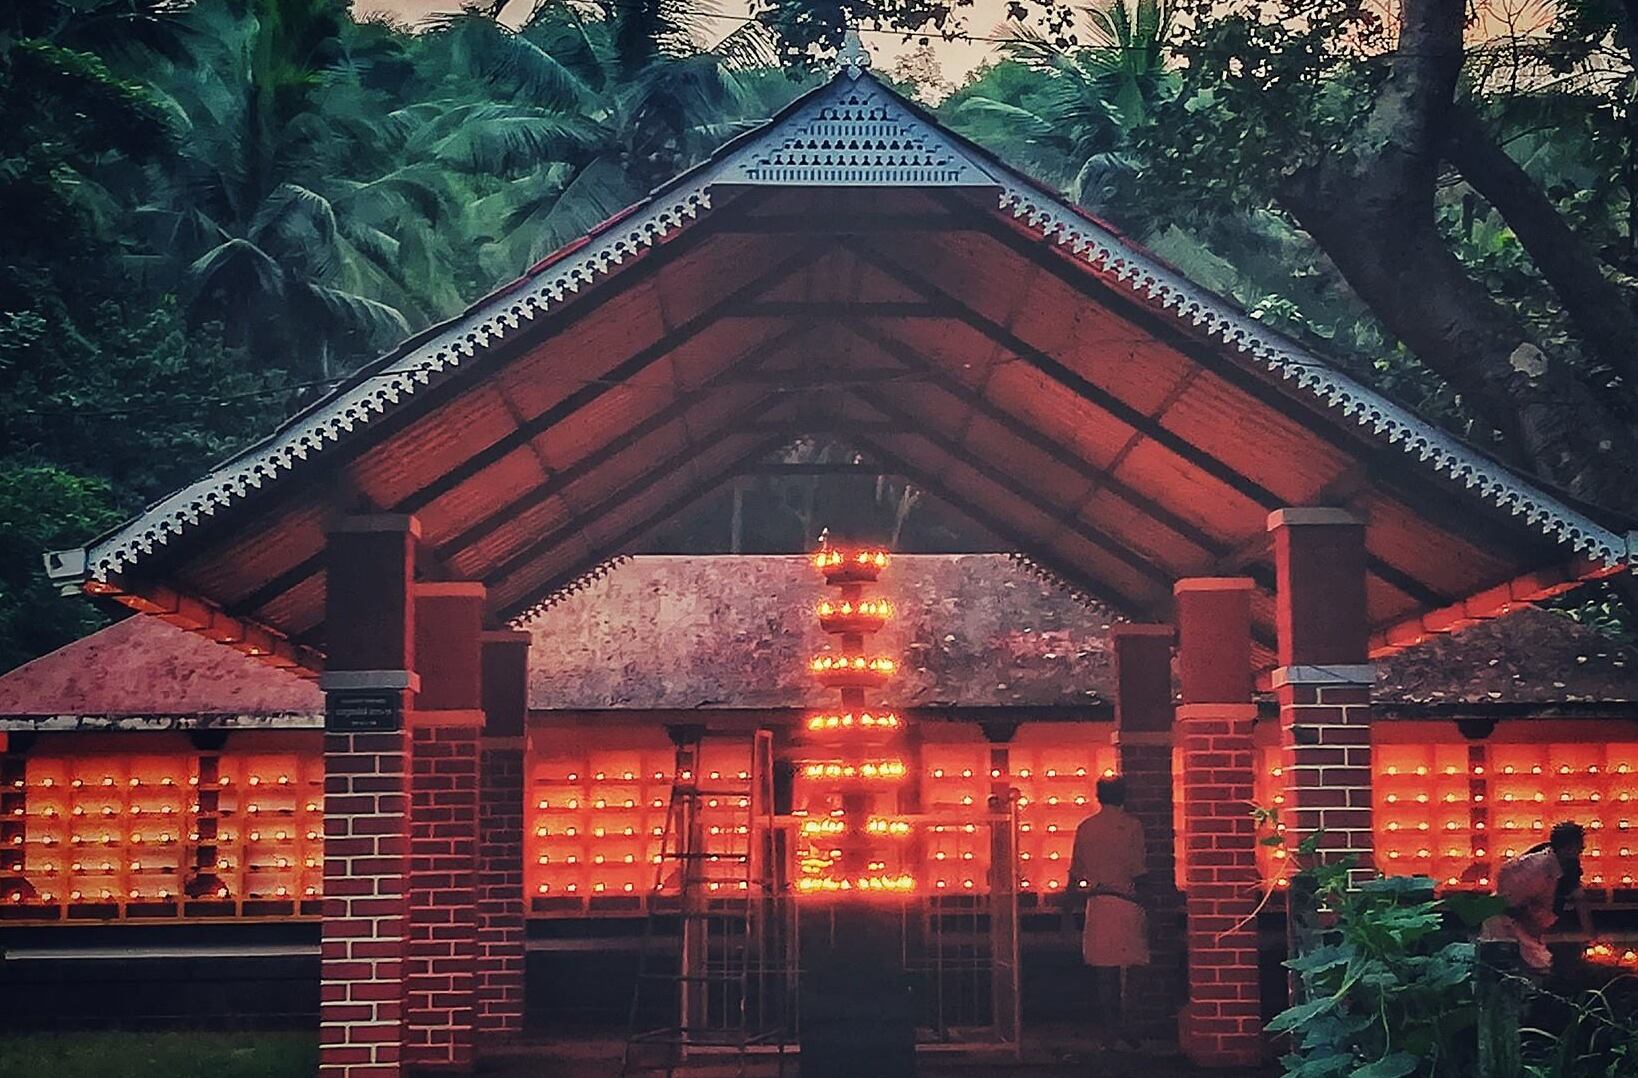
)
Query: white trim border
[{"x": 687, "y": 199}]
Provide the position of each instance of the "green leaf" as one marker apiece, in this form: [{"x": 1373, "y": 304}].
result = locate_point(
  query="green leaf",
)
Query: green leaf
[
  {"x": 1322, "y": 958},
  {"x": 1200, "y": 101},
  {"x": 1473, "y": 908},
  {"x": 1292, "y": 1017},
  {"x": 1319, "y": 1067},
  {"x": 1395, "y": 1065}
]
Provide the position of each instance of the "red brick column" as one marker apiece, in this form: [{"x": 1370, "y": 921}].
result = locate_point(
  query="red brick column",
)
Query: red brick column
[
  {"x": 1324, "y": 679},
  {"x": 1222, "y": 1024},
  {"x": 446, "y": 727},
  {"x": 1143, "y": 737},
  {"x": 500, "y": 823},
  {"x": 370, "y": 683}
]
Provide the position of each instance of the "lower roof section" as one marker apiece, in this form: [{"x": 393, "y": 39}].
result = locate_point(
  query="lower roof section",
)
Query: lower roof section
[{"x": 679, "y": 634}]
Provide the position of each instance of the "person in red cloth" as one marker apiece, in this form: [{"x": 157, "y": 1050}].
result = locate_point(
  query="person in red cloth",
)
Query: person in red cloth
[{"x": 1109, "y": 855}]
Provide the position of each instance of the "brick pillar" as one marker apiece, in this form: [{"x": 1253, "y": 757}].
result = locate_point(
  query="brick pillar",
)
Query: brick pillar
[
  {"x": 441, "y": 958},
  {"x": 1323, "y": 682},
  {"x": 370, "y": 682},
  {"x": 500, "y": 822},
  {"x": 1143, "y": 738},
  {"x": 1222, "y": 1024}
]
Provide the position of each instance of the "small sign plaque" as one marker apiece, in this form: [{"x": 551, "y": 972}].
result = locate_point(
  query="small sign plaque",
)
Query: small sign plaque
[{"x": 356, "y": 711}]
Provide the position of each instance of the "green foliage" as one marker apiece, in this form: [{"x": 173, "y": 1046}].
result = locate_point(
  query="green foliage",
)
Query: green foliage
[
  {"x": 43, "y": 507},
  {"x": 1599, "y": 1039},
  {"x": 1387, "y": 984},
  {"x": 1266, "y": 91},
  {"x": 97, "y": 1054},
  {"x": 1070, "y": 113},
  {"x": 214, "y": 210}
]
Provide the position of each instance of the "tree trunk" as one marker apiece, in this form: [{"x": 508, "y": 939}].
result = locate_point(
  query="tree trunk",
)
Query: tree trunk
[
  {"x": 1369, "y": 204},
  {"x": 1549, "y": 420},
  {"x": 1603, "y": 319}
]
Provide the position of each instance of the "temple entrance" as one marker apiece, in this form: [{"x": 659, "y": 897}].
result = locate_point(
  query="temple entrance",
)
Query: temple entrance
[
  {"x": 1259, "y": 520},
  {"x": 736, "y": 961}
]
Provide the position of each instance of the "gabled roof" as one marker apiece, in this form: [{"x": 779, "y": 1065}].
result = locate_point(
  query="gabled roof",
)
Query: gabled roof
[
  {"x": 677, "y": 632},
  {"x": 144, "y": 668},
  {"x": 853, "y": 266}
]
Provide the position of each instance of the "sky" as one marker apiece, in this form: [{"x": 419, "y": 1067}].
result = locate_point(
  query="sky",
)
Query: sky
[
  {"x": 1489, "y": 19},
  {"x": 957, "y": 58}
]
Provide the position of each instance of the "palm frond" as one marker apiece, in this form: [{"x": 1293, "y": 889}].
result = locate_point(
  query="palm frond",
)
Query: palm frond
[
  {"x": 1024, "y": 121},
  {"x": 750, "y": 47},
  {"x": 236, "y": 268},
  {"x": 300, "y": 223},
  {"x": 596, "y": 193},
  {"x": 349, "y": 311},
  {"x": 507, "y": 58},
  {"x": 506, "y": 140}
]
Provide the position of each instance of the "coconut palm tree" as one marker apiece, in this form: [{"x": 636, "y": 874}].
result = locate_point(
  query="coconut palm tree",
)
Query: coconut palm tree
[
  {"x": 284, "y": 214},
  {"x": 1074, "y": 121},
  {"x": 594, "y": 112}
]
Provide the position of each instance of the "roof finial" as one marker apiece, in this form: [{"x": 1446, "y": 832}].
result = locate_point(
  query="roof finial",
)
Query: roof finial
[{"x": 852, "y": 59}]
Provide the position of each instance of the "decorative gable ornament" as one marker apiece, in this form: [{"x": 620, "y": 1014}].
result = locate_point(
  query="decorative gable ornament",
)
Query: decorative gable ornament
[{"x": 855, "y": 133}]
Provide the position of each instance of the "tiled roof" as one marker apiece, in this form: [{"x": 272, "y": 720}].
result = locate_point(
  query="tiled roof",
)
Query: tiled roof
[
  {"x": 733, "y": 631},
  {"x": 143, "y": 666},
  {"x": 1531, "y": 656},
  {"x": 674, "y": 633}
]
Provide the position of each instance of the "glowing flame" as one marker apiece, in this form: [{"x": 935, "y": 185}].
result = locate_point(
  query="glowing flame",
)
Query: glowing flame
[
  {"x": 824, "y": 664},
  {"x": 873, "y": 769},
  {"x": 867, "y": 608},
  {"x": 879, "y": 884},
  {"x": 849, "y": 721},
  {"x": 832, "y": 558}
]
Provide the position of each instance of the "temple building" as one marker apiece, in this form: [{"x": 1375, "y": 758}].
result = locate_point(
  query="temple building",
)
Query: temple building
[{"x": 398, "y": 715}]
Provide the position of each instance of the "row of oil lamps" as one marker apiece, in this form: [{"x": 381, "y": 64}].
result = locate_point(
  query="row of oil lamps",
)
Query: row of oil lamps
[
  {"x": 163, "y": 894},
  {"x": 47, "y": 782},
  {"x": 1423, "y": 770},
  {"x": 629, "y": 776}
]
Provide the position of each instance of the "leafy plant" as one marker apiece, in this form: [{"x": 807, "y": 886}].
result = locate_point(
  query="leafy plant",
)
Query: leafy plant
[{"x": 1387, "y": 984}]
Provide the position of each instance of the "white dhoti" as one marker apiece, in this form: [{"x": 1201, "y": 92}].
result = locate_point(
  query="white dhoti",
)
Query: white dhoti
[{"x": 1116, "y": 933}]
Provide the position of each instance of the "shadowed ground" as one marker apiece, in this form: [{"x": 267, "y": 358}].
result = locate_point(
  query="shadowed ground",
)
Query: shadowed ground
[{"x": 1056, "y": 1054}]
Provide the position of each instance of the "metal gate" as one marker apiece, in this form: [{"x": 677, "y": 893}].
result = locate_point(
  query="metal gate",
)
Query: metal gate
[
  {"x": 737, "y": 984},
  {"x": 960, "y": 948}
]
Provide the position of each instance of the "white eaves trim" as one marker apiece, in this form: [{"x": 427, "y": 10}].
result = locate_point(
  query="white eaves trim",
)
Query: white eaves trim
[{"x": 854, "y": 131}]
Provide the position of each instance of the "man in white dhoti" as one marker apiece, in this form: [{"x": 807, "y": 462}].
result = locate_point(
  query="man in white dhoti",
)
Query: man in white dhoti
[{"x": 1108, "y": 858}]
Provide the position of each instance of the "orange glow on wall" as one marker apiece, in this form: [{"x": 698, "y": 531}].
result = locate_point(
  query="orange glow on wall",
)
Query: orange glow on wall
[
  {"x": 1617, "y": 956},
  {"x": 1454, "y": 810},
  {"x": 1055, "y": 769},
  {"x": 1268, "y": 791},
  {"x": 595, "y": 814},
  {"x": 1056, "y": 773},
  {"x": 119, "y": 834},
  {"x": 103, "y": 832}
]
